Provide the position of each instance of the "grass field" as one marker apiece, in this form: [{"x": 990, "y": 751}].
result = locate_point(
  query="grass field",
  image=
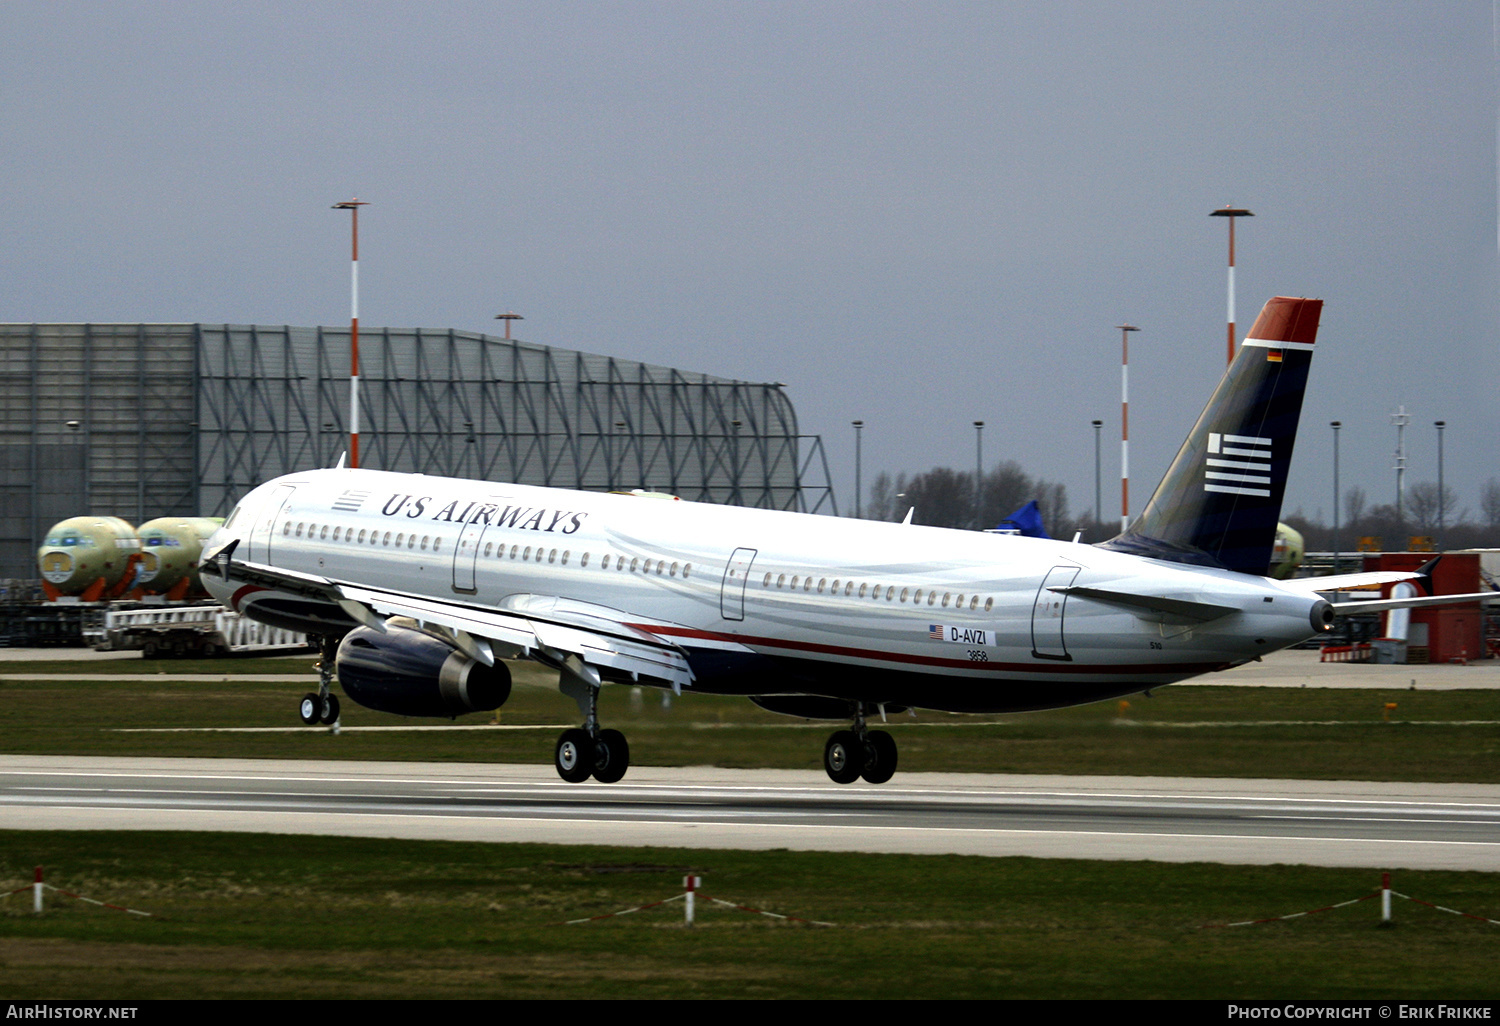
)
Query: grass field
[
  {"x": 257, "y": 916},
  {"x": 248, "y": 915},
  {"x": 1182, "y": 730}
]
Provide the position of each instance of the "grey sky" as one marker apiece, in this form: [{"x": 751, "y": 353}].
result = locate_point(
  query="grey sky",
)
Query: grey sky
[{"x": 915, "y": 214}]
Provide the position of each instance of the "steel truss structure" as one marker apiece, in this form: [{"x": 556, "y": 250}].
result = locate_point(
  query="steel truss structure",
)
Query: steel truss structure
[{"x": 148, "y": 420}]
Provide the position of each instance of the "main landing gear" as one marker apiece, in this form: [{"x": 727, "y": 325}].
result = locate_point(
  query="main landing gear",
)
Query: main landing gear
[
  {"x": 587, "y": 751},
  {"x": 605, "y": 756},
  {"x": 322, "y": 706},
  {"x": 861, "y": 752}
]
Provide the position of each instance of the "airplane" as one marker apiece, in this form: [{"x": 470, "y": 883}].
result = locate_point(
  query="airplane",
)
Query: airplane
[{"x": 420, "y": 587}]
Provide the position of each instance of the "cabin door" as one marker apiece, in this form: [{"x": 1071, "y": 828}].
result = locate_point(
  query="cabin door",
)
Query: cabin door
[
  {"x": 466, "y": 552},
  {"x": 264, "y": 531},
  {"x": 1047, "y": 614},
  {"x": 736, "y": 576}
]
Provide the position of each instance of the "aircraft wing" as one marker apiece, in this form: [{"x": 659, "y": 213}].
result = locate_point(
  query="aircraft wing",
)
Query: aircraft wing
[
  {"x": 524, "y": 626},
  {"x": 547, "y": 625}
]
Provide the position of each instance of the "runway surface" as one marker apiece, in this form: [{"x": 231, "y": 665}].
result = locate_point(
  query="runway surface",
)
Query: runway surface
[{"x": 1379, "y": 825}]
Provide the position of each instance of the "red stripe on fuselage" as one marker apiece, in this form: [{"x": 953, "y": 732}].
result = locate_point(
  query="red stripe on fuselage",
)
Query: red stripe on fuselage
[{"x": 1040, "y": 666}]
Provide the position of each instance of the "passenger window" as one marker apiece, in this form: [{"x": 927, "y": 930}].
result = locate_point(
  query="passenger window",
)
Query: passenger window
[{"x": 604, "y": 563}]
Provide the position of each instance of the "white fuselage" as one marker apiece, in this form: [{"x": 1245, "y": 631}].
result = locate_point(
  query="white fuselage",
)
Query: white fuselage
[{"x": 768, "y": 602}]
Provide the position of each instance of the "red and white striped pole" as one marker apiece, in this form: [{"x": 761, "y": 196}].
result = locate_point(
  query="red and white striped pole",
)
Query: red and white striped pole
[
  {"x": 1231, "y": 213},
  {"x": 1385, "y": 897},
  {"x": 36, "y": 892},
  {"x": 1125, "y": 330},
  {"x": 353, "y": 207}
]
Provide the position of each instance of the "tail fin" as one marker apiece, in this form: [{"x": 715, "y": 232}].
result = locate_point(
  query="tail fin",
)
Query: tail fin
[{"x": 1220, "y": 500}]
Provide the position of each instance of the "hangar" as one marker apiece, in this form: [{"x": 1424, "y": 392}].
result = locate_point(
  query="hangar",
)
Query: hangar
[{"x": 149, "y": 420}]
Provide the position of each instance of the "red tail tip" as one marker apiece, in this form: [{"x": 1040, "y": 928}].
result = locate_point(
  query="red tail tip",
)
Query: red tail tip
[{"x": 1288, "y": 319}]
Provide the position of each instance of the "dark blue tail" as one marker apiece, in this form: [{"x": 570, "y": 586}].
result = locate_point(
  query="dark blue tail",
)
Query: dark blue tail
[{"x": 1220, "y": 500}]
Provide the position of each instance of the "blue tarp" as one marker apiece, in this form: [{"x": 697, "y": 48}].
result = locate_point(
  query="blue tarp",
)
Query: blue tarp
[{"x": 1027, "y": 520}]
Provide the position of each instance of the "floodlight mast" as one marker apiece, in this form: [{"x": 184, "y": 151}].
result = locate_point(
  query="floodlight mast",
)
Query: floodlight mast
[
  {"x": 1125, "y": 330},
  {"x": 353, "y": 206},
  {"x": 1231, "y": 213}
]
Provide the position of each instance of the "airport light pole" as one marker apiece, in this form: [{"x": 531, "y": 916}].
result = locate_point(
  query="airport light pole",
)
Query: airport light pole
[
  {"x": 353, "y": 206},
  {"x": 978, "y": 473},
  {"x": 1400, "y": 419},
  {"x": 1442, "y": 498},
  {"x": 1335, "y": 424},
  {"x": 1231, "y": 213},
  {"x": 859, "y": 427},
  {"x": 1125, "y": 330},
  {"x": 1098, "y": 509},
  {"x": 507, "y": 317}
]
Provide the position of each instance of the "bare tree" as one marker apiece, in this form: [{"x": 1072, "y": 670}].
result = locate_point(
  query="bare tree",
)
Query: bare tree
[
  {"x": 1006, "y": 489},
  {"x": 1425, "y": 506},
  {"x": 881, "y": 503},
  {"x": 1489, "y": 504},
  {"x": 943, "y": 497}
]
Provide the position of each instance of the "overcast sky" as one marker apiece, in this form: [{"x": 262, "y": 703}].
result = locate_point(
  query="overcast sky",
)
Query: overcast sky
[{"x": 918, "y": 215}]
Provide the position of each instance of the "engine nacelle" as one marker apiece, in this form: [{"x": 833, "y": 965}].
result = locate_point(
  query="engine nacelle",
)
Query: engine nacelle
[{"x": 411, "y": 672}]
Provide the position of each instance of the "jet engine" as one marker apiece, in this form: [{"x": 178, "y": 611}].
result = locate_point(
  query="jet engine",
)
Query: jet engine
[{"x": 413, "y": 672}]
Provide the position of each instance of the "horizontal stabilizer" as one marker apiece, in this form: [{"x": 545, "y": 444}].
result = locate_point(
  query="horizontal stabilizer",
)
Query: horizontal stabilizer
[
  {"x": 1376, "y": 605},
  {"x": 1168, "y": 610},
  {"x": 1344, "y": 582}
]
